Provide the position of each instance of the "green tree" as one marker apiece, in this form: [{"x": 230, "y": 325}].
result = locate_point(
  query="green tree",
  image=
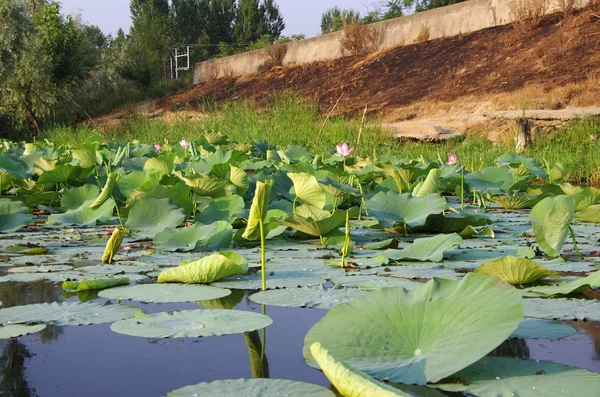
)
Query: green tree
[
  {"x": 272, "y": 20},
  {"x": 221, "y": 14},
  {"x": 248, "y": 20},
  {"x": 189, "y": 20},
  {"x": 334, "y": 19}
]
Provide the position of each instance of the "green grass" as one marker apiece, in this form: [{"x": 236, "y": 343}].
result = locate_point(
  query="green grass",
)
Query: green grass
[{"x": 288, "y": 120}]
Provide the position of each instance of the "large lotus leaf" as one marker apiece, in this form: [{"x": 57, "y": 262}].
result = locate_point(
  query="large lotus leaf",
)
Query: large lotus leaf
[
  {"x": 318, "y": 297},
  {"x": 373, "y": 282},
  {"x": 551, "y": 219},
  {"x": 163, "y": 165},
  {"x": 205, "y": 270},
  {"x": 536, "y": 328},
  {"x": 138, "y": 180},
  {"x": 533, "y": 167},
  {"x": 585, "y": 197},
  {"x": 41, "y": 269},
  {"x": 151, "y": 216},
  {"x": 271, "y": 227},
  {"x": 12, "y": 331},
  {"x": 569, "y": 287},
  {"x": 348, "y": 381},
  {"x": 75, "y": 197},
  {"x": 308, "y": 190},
  {"x": 95, "y": 283},
  {"x": 192, "y": 323},
  {"x": 252, "y": 388},
  {"x": 86, "y": 154},
  {"x": 17, "y": 169},
  {"x": 515, "y": 271},
  {"x": 239, "y": 179},
  {"x": 391, "y": 208},
  {"x": 67, "y": 313},
  {"x": 316, "y": 222},
  {"x": 204, "y": 185},
  {"x": 422, "y": 335},
  {"x": 563, "y": 309},
  {"x": 336, "y": 189},
  {"x": 513, "y": 202},
  {"x": 83, "y": 215},
  {"x": 61, "y": 173},
  {"x": 274, "y": 280},
  {"x": 589, "y": 214},
  {"x": 121, "y": 268},
  {"x": 426, "y": 249},
  {"x": 258, "y": 210},
  {"x": 492, "y": 180},
  {"x": 13, "y": 216},
  {"x": 215, "y": 236},
  {"x": 227, "y": 208},
  {"x": 430, "y": 185},
  {"x": 164, "y": 293},
  {"x": 501, "y": 376}
]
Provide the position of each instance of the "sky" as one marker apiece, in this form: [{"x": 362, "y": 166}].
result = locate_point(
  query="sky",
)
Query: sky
[{"x": 301, "y": 16}]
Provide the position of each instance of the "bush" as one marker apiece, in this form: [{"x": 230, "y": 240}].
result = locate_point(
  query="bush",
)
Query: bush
[
  {"x": 358, "y": 39},
  {"x": 528, "y": 13},
  {"x": 273, "y": 56}
]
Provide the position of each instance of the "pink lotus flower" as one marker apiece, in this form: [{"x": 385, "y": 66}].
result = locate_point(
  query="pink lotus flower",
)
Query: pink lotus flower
[
  {"x": 452, "y": 159},
  {"x": 157, "y": 146},
  {"x": 343, "y": 149},
  {"x": 185, "y": 143}
]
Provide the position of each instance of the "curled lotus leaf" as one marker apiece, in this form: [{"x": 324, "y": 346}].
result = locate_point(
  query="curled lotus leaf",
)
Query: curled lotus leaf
[{"x": 515, "y": 271}]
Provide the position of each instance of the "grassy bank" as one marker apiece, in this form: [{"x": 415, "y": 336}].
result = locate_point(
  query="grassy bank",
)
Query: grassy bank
[{"x": 292, "y": 121}]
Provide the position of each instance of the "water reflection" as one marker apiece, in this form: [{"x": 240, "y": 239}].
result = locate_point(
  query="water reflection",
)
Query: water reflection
[
  {"x": 259, "y": 365},
  {"x": 12, "y": 367},
  {"x": 514, "y": 347},
  {"x": 592, "y": 329}
]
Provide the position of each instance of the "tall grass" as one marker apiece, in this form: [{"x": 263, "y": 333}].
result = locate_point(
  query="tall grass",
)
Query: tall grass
[{"x": 289, "y": 121}]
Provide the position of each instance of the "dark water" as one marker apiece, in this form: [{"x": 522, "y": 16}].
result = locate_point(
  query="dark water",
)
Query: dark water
[{"x": 94, "y": 361}]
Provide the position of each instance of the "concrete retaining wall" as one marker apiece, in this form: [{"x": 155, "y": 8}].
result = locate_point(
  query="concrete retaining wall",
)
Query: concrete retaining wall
[{"x": 466, "y": 17}]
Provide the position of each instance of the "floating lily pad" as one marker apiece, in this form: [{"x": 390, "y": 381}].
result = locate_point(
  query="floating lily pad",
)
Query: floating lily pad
[
  {"x": 500, "y": 376},
  {"x": 252, "y": 388},
  {"x": 12, "y": 331},
  {"x": 214, "y": 236},
  {"x": 162, "y": 293},
  {"x": 66, "y": 313},
  {"x": 13, "y": 215},
  {"x": 562, "y": 309},
  {"x": 515, "y": 271},
  {"x": 570, "y": 287},
  {"x": 150, "y": 216},
  {"x": 426, "y": 249},
  {"x": 192, "y": 323},
  {"x": 422, "y": 335},
  {"x": 371, "y": 283},
  {"x": 391, "y": 208},
  {"x": 535, "y": 328},
  {"x": 41, "y": 269},
  {"x": 317, "y": 297},
  {"x": 116, "y": 269}
]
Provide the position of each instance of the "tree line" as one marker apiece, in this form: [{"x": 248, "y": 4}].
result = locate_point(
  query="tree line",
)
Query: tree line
[{"x": 57, "y": 70}]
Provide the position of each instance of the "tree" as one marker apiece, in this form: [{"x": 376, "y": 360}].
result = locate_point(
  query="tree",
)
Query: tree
[
  {"x": 189, "y": 18},
  {"x": 272, "y": 20},
  {"x": 248, "y": 21},
  {"x": 334, "y": 19}
]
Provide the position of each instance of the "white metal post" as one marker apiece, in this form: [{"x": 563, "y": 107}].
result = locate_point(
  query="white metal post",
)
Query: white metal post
[{"x": 176, "y": 67}]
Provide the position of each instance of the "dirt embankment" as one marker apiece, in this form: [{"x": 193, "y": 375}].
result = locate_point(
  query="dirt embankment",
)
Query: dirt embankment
[{"x": 556, "y": 66}]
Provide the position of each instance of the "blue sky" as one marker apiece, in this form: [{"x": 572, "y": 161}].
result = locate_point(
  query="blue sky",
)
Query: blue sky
[{"x": 301, "y": 16}]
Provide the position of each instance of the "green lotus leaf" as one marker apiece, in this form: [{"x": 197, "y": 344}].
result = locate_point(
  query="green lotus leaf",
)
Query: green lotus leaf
[
  {"x": 162, "y": 165},
  {"x": 492, "y": 180},
  {"x": 391, "y": 208},
  {"x": 585, "y": 197},
  {"x": 515, "y": 271},
  {"x": 589, "y": 214},
  {"x": 471, "y": 232},
  {"x": 513, "y": 202},
  {"x": 381, "y": 245},
  {"x": 75, "y": 197},
  {"x": 41, "y": 269},
  {"x": 13, "y": 216},
  {"x": 121, "y": 268},
  {"x": 535, "y": 328},
  {"x": 239, "y": 179},
  {"x": 348, "y": 381},
  {"x": 138, "y": 180},
  {"x": 204, "y": 185},
  {"x": 151, "y": 216},
  {"x": 165, "y": 293},
  {"x": 15, "y": 168},
  {"x": 12, "y": 331},
  {"x": 252, "y": 388},
  {"x": 106, "y": 192},
  {"x": 272, "y": 228},
  {"x": 430, "y": 185},
  {"x": 551, "y": 219},
  {"x": 83, "y": 216},
  {"x": 317, "y": 222},
  {"x": 205, "y": 270},
  {"x": 500, "y": 376},
  {"x": 426, "y": 249},
  {"x": 60, "y": 174},
  {"x": 86, "y": 154},
  {"x": 569, "y": 287},
  {"x": 214, "y": 236},
  {"x": 317, "y": 297},
  {"x": 258, "y": 210},
  {"x": 67, "y": 313},
  {"x": 533, "y": 167},
  {"x": 192, "y": 324},
  {"x": 95, "y": 283},
  {"x": 337, "y": 190},
  {"x": 308, "y": 190},
  {"x": 562, "y": 309},
  {"x": 227, "y": 209},
  {"x": 422, "y": 335},
  {"x": 374, "y": 282}
]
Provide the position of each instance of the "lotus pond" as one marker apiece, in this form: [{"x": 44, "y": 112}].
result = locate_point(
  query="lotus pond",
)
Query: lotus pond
[{"x": 224, "y": 268}]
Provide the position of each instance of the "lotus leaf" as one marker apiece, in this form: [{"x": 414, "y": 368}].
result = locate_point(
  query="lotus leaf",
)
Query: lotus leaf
[
  {"x": 513, "y": 202},
  {"x": 83, "y": 215},
  {"x": 535, "y": 328},
  {"x": 562, "y": 309},
  {"x": 426, "y": 249},
  {"x": 66, "y": 313},
  {"x": 41, "y": 269},
  {"x": 258, "y": 210},
  {"x": 317, "y": 222},
  {"x": 13, "y": 216},
  {"x": 569, "y": 287},
  {"x": 500, "y": 376},
  {"x": 205, "y": 270},
  {"x": 422, "y": 335},
  {"x": 162, "y": 165},
  {"x": 252, "y": 388},
  {"x": 239, "y": 179},
  {"x": 371, "y": 283},
  {"x": 317, "y": 297},
  {"x": 121, "y": 268},
  {"x": 192, "y": 323},
  {"x": 430, "y": 185},
  {"x": 222, "y": 209},
  {"x": 151, "y": 216},
  {"x": 551, "y": 219},
  {"x": 204, "y": 185},
  {"x": 214, "y": 236},
  {"x": 515, "y": 271},
  {"x": 308, "y": 190},
  {"x": 348, "y": 381},
  {"x": 164, "y": 293},
  {"x": 391, "y": 208},
  {"x": 95, "y": 283},
  {"x": 492, "y": 180},
  {"x": 589, "y": 214},
  {"x": 12, "y": 331},
  {"x": 75, "y": 197}
]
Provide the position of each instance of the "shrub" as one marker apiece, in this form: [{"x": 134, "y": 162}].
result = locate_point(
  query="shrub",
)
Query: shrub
[
  {"x": 358, "y": 39},
  {"x": 273, "y": 55},
  {"x": 528, "y": 13},
  {"x": 424, "y": 34}
]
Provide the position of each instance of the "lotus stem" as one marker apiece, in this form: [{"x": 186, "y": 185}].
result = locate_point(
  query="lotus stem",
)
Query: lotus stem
[
  {"x": 263, "y": 268},
  {"x": 118, "y": 213},
  {"x": 574, "y": 241},
  {"x": 263, "y": 310},
  {"x": 346, "y": 246},
  {"x": 462, "y": 187}
]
